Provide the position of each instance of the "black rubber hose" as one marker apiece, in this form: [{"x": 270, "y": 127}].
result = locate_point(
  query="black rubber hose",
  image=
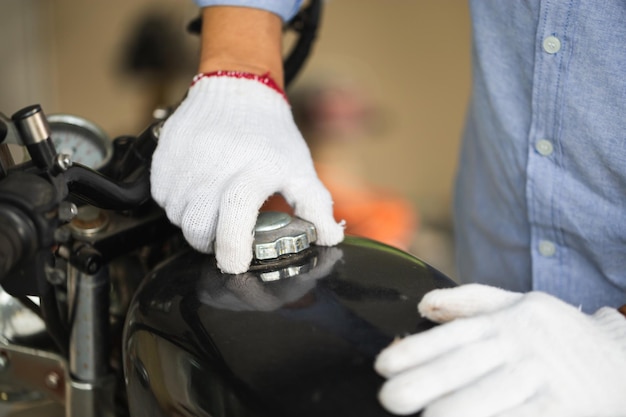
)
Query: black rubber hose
[{"x": 306, "y": 23}]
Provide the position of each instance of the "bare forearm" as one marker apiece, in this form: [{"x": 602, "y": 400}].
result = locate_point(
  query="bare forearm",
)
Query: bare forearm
[{"x": 241, "y": 39}]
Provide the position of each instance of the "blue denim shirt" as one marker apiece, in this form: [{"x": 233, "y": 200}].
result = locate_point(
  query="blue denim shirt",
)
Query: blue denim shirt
[
  {"x": 541, "y": 188},
  {"x": 286, "y": 9}
]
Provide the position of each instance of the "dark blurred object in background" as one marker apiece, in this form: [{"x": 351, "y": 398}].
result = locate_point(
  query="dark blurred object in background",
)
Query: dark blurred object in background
[{"x": 156, "y": 52}]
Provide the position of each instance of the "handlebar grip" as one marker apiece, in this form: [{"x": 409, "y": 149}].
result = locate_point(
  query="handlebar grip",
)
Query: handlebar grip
[{"x": 18, "y": 238}]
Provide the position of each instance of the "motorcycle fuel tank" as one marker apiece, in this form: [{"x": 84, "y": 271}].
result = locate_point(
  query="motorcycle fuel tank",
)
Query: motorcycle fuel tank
[{"x": 295, "y": 336}]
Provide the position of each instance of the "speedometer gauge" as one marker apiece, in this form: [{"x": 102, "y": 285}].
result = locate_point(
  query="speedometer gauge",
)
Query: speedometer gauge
[{"x": 83, "y": 141}]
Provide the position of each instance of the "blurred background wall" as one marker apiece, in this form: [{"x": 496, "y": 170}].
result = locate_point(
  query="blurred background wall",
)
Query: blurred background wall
[{"x": 411, "y": 57}]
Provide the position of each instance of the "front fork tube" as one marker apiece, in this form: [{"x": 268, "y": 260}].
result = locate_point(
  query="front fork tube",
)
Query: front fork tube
[{"x": 92, "y": 382}]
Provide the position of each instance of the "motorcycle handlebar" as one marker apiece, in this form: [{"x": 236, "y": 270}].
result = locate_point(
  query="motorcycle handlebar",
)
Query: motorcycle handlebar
[
  {"x": 126, "y": 185},
  {"x": 28, "y": 196},
  {"x": 96, "y": 189}
]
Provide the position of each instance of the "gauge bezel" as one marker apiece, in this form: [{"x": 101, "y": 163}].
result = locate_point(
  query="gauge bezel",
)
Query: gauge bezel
[{"x": 95, "y": 131}]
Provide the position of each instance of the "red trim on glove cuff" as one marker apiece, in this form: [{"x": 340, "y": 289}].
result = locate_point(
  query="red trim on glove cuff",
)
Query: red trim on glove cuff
[{"x": 264, "y": 79}]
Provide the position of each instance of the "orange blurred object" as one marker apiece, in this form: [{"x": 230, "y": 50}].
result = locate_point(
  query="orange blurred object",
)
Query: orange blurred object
[{"x": 368, "y": 211}]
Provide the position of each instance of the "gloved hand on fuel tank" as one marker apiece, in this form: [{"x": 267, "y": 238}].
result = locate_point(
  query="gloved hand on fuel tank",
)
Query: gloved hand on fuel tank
[
  {"x": 230, "y": 145},
  {"x": 507, "y": 354},
  {"x": 233, "y": 142}
]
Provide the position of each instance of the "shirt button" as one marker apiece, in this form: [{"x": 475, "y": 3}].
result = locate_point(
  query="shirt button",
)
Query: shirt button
[
  {"x": 551, "y": 44},
  {"x": 547, "y": 248},
  {"x": 544, "y": 147}
]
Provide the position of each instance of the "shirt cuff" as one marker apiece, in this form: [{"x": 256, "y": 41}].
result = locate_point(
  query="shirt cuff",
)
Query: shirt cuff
[{"x": 286, "y": 9}]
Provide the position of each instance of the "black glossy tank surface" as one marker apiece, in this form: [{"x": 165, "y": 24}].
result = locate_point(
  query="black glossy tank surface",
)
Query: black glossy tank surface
[{"x": 200, "y": 343}]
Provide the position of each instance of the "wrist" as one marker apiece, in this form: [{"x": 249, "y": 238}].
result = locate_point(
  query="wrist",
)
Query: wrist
[
  {"x": 622, "y": 310},
  {"x": 241, "y": 39},
  {"x": 265, "y": 79},
  {"x": 215, "y": 65}
]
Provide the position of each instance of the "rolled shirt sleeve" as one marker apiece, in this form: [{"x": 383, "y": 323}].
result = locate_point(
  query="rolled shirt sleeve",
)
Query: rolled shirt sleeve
[{"x": 286, "y": 9}]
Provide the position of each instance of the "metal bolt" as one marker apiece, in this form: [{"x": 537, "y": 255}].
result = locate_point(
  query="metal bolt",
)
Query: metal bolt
[
  {"x": 67, "y": 211},
  {"x": 156, "y": 130},
  {"x": 63, "y": 161}
]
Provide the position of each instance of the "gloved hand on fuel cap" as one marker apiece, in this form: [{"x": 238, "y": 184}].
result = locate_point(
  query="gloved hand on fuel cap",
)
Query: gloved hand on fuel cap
[
  {"x": 230, "y": 145},
  {"x": 507, "y": 354}
]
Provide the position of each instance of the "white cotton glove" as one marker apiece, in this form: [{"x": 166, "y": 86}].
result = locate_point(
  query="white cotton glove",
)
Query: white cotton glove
[
  {"x": 507, "y": 354},
  {"x": 230, "y": 145}
]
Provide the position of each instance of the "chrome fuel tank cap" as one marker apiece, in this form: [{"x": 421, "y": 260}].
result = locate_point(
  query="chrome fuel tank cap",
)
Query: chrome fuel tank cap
[{"x": 277, "y": 234}]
